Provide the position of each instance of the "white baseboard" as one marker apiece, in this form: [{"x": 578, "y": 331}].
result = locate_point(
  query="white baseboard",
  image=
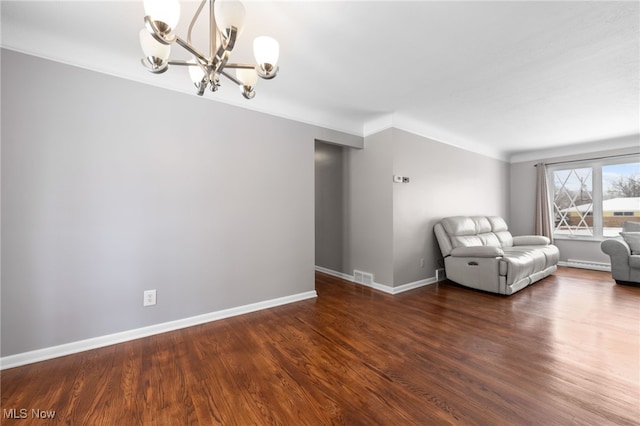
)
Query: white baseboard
[
  {"x": 413, "y": 285},
  {"x": 382, "y": 287},
  {"x": 111, "y": 339},
  {"x": 334, "y": 273},
  {"x": 583, "y": 264}
]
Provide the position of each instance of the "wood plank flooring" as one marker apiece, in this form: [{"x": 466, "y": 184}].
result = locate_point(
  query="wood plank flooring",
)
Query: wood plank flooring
[{"x": 564, "y": 351}]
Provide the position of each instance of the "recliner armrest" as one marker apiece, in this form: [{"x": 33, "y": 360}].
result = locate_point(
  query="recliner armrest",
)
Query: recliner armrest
[
  {"x": 615, "y": 247},
  {"x": 531, "y": 240},
  {"x": 477, "y": 251}
]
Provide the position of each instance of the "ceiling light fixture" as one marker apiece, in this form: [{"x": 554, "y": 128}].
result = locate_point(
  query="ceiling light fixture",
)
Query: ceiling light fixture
[{"x": 226, "y": 18}]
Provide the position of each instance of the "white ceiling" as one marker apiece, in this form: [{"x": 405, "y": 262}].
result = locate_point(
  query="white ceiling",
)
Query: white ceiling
[{"x": 501, "y": 78}]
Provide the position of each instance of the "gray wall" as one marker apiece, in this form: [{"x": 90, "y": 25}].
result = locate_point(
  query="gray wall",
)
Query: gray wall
[
  {"x": 444, "y": 181},
  {"x": 329, "y": 208},
  {"x": 111, "y": 187},
  {"x": 391, "y": 224},
  {"x": 369, "y": 208},
  {"x": 522, "y": 202}
]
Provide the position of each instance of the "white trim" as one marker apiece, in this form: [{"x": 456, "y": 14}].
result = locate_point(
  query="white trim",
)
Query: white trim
[
  {"x": 377, "y": 286},
  {"x": 112, "y": 339},
  {"x": 377, "y": 125},
  {"x": 584, "y": 264},
  {"x": 410, "y": 286},
  {"x": 380, "y": 287},
  {"x": 425, "y": 130},
  {"x": 335, "y": 273},
  {"x": 623, "y": 142}
]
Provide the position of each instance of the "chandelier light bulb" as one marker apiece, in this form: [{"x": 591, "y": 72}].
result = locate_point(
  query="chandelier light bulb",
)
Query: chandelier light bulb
[
  {"x": 229, "y": 13},
  {"x": 266, "y": 51},
  {"x": 165, "y": 11},
  {"x": 151, "y": 48},
  {"x": 248, "y": 77},
  {"x": 196, "y": 73}
]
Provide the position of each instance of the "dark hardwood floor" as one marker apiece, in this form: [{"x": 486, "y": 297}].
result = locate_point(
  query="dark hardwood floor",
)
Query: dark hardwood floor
[{"x": 563, "y": 351}]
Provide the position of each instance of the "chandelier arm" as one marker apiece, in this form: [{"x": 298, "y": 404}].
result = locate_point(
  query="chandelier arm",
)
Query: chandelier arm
[
  {"x": 221, "y": 63},
  {"x": 240, "y": 66},
  {"x": 231, "y": 41},
  {"x": 213, "y": 29},
  {"x": 222, "y": 55},
  {"x": 182, "y": 63},
  {"x": 161, "y": 36},
  {"x": 155, "y": 65},
  {"x": 200, "y": 88},
  {"x": 195, "y": 52},
  {"x": 194, "y": 19},
  {"x": 232, "y": 78}
]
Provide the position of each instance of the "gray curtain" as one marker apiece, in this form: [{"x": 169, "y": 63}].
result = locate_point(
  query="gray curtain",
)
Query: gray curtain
[{"x": 543, "y": 207}]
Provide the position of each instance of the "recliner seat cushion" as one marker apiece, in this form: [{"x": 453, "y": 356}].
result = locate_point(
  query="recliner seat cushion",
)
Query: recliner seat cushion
[
  {"x": 518, "y": 263},
  {"x": 551, "y": 253}
]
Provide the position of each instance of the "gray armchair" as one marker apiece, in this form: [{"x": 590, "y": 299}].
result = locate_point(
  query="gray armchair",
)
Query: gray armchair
[{"x": 625, "y": 262}]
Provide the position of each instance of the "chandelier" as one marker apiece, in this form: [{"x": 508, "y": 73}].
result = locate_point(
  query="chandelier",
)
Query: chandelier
[{"x": 226, "y": 18}]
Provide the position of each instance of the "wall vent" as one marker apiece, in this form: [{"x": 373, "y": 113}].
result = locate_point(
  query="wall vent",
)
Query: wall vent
[
  {"x": 363, "y": 277},
  {"x": 440, "y": 276}
]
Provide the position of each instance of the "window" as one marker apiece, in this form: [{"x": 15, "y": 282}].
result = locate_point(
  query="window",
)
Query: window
[{"x": 591, "y": 199}]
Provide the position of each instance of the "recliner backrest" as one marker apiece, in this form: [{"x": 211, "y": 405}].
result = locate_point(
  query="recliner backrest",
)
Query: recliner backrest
[{"x": 472, "y": 231}]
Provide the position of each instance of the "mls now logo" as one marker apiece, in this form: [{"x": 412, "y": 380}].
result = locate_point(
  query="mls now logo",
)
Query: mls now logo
[
  {"x": 23, "y": 413},
  {"x": 14, "y": 413}
]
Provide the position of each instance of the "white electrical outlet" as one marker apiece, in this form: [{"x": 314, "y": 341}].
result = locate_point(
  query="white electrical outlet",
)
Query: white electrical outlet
[
  {"x": 149, "y": 297},
  {"x": 422, "y": 263}
]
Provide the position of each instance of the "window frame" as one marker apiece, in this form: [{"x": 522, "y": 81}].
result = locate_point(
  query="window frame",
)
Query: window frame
[{"x": 597, "y": 194}]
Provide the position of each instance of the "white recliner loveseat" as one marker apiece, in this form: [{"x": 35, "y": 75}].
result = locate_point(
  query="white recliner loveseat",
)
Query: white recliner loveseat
[{"x": 480, "y": 252}]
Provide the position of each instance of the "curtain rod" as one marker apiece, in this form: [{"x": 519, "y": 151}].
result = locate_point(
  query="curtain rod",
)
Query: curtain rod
[{"x": 588, "y": 159}]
